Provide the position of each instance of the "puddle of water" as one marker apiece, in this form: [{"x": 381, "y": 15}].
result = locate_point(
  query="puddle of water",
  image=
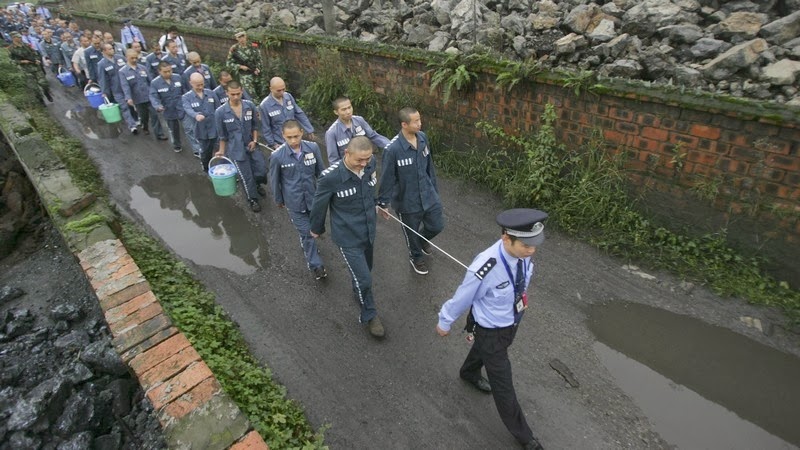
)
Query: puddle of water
[
  {"x": 92, "y": 125},
  {"x": 199, "y": 225},
  {"x": 702, "y": 386}
]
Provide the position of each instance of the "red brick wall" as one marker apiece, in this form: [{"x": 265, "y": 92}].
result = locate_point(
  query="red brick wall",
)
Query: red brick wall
[{"x": 669, "y": 149}]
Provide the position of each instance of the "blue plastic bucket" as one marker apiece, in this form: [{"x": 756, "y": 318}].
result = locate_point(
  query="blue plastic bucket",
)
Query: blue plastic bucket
[
  {"x": 223, "y": 176},
  {"x": 66, "y": 77},
  {"x": 94, "y": 95}
]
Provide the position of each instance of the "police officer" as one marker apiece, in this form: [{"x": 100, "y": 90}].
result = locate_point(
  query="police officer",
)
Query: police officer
[
  {"x": 278, "y": 107},
  {"x": 347, "y": 188},
  {"x": 237, "y": 127},
  {"x": 199, "y": 105},
  {"x": 494, "y": 289},
  {"x": 408, "y": 179},
  {"x": 30, "y": 62},
  {"x": 293, "y": 172},
  {"x": 108, "y": 79},
  {"x": 166, "y": 91},
  {"x": 130, "y": 33},
  {"x": 135, "y": 83},
  {"x": 345, "y": 127}
]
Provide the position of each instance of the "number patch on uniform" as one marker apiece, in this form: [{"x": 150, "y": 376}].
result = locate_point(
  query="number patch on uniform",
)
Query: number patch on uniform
[{"x": 405, "y": 162}]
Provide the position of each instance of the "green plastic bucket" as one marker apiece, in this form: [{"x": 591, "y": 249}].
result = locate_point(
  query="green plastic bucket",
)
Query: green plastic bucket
[
  {"x": 223, "y": 176},
  {"x": 110, "y": 111}
]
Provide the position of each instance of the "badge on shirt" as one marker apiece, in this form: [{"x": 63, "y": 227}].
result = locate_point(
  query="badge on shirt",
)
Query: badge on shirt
[
  {"x": 503, "y": 285},
  {"x": 522, "y": 302},
  {"x": 289, "y": 105}
]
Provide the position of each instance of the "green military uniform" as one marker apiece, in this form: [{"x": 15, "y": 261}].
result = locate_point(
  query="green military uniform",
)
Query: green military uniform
[
  {"x": 22, "y": 52},
  {"x": 248, "y": 55}
]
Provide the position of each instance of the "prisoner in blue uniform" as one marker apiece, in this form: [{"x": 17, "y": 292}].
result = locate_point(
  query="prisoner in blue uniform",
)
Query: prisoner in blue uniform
[
  {"x": 408, "y": 180},
  {"x": 293, "y": 172},
  {"x": 153, "y": 60},
  {"x": 93, "y": 54},
  {"x": 135, "y": 83},
  {"x": 345, "y": 128},
  {"x": 494, "y": 290},
  {"x": 166, "y": 93},
  {"x": 224, "y": 78},
  {"x": 347, "y": 188},
  {"x": 175, "y": 59},
  {"x": 278, "y": 107},
  {"x": 237, "y": 128},
  {"x": 199, "y": 104},
  {"x": 108, "y": 79},
  {"x": 197, "y": 66}
]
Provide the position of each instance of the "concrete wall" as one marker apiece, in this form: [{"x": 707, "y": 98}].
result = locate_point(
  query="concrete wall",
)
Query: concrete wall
[{"x": 672, "y": 142}]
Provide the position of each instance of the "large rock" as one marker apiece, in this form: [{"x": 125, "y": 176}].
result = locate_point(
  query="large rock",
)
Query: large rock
[
  {"x": 782, "y": 30},
  {"x": 681, "y": 34},
  {"x": 543, "y": 21},
  {"x": 441, "y": 10},
  {"x": 43, "y": 404},
  {"x": 708, "y": 48},
  {"x": 603, "y": 32},
  {"x": 781, "y": 73},
  {"x": 440, "y": 41},
  {"x": 514, "y": 24},
  {"x": 687, "y": 76},
  {"x": 735, "y": 59},
  {"x": 569, "y": 43},
  {"x": 419, "y": 34},
  {"x": 624, "y": 68},
  {"x": 283, "y": 18},
  {"x": 740, "y": 26},
  {"x": 643, "y": 19},
  {"x": 101, "y": 358},
  {"x": 581, "y": 17}
]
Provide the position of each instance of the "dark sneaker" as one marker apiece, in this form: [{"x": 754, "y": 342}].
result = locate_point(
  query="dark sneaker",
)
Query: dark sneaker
[
  {"x": 481, "y": 384},
  {"x": 419, "y": 266},
  {"x": 48, "y": 95},
  {"x": 320, "y": 273},
  {"x": 254, "y": 205},
  {"x": 177, "y": 149},
  {"x": 134, "y": 130},
  {"x": 533, "y": 445},
  {"x": 162, "y": 138},
  {"x": 261, "y": 191},
  {"x": 427, "y": 248},
  {"x": 376, "y": 327}
]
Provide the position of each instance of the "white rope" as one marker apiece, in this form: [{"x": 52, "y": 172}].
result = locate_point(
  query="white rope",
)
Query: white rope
[{"x": 422, "y": 237}]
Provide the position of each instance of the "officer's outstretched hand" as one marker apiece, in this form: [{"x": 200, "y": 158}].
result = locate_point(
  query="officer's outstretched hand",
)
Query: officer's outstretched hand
[{"x": 442, "y": 332}]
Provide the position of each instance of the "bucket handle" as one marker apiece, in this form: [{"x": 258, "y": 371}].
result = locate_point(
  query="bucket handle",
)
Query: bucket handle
[
  {"x": 220, "y": 157},
  {"x": 89, "y": 85},
  {"x": 105, "y": 101}
]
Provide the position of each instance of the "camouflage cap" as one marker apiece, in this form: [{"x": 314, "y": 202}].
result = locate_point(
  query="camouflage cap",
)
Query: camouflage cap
[
  {"x": 239, "y": 32},
  {"x": 15, "y": 34}
]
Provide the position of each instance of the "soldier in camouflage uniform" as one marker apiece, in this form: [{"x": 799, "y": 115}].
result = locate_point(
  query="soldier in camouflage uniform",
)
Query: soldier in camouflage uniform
[
  {"x": 30, "y": 61},
  {"x": 244, "y": 60}
]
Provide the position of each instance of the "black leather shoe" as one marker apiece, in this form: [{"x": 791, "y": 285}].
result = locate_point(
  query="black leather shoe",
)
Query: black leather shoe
[
  {"x": 481, "y": 384},
  {"x": 261, "y": 191},
  {"x": 533, "y": 445}
]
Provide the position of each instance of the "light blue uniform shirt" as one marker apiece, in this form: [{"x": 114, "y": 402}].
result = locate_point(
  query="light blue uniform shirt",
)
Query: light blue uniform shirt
[
  {"x": 408, "y": 177},
  {"x": 135, "y": 82},
  {"x": 129, "y": 34},
  {"x": 194, "y": 105},
  {"x": 488, "y": 289},
  {"x": 338, "y": 136},
  {"x": 273, "y": 114},
  {"x": 293, "y": 179}
]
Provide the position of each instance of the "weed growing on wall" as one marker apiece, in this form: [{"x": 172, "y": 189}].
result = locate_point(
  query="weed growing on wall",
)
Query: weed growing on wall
[
  {"x": 332, "y": 79},
  {"x": 192, "y": 308},
  {"x": 585, "y": 192}
]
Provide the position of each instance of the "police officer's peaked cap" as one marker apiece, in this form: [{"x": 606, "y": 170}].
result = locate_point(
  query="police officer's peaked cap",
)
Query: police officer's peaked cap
[
  {"x": 525, "y": 224},
  {"x": 126, "y": 20}
]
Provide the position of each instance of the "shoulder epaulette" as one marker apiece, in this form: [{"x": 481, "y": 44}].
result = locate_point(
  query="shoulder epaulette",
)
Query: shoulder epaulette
[
  {"x": 486, "y": 268},
  {"x": 330, "y": 169}
]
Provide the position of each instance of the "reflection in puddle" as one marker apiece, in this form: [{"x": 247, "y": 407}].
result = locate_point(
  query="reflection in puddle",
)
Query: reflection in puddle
[
  {"x": 92, "y": 124},
  {"x": 199, "y": 225},
  {"x": 701, "y": 386}
]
